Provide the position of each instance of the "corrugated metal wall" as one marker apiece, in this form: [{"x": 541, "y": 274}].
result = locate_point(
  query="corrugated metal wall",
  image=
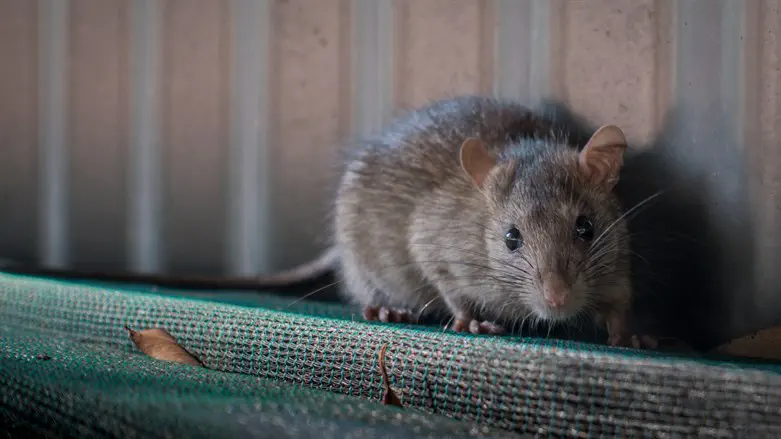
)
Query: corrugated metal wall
[{"x": 197, "y": 135}]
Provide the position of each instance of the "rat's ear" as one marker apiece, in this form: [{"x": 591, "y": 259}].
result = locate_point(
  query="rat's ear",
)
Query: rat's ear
[
  {"x": 476, "y": 160},
  {"x": 603, "y": 156}
]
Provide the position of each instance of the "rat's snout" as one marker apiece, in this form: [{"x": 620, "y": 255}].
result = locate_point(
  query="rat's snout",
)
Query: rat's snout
[{"x": 555, "y": 290}]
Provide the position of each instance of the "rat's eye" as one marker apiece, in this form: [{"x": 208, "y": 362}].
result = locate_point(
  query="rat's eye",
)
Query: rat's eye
[
  {"x": 584, "y": 228},
  {"x": 513, "y": 239}
]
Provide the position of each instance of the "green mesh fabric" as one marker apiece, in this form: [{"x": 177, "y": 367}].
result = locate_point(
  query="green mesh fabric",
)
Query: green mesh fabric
[{"x": 68, "y": 369}]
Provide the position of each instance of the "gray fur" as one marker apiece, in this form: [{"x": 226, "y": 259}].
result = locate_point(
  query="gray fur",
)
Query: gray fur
[{"x": 413, "y": 231}]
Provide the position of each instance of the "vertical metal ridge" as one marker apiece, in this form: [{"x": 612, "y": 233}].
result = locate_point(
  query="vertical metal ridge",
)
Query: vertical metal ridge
[
  {"x": 666, "y": 20},
  {"x": 723, "y": 73},
  {"x": 732, "y": 54},
  {"x": 742, "y": 23},
  {"x": 144, "y": 152},
  {"x": 760, "y": 130},
  {"x": 740, "y": 87},
  {"x": 248, "y": 249},
  {"x": 548, "y": 36},
  {"x": 707, "y": 142},
  {"x": 529, "y": 43},
  {"x": 373, "y": 64},
  {"x": 53, "y": 70},
  {"x": 486, "y": 58},
  {"x": 698, "y": 79},
  {"x": 513, "y": 49}
]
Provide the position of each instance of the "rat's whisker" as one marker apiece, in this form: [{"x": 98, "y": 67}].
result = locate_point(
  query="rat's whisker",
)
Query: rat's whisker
[
  {"x": 423, "y": 309},
  {"x": 310, "y": 294},
  {"x": 628, "y": 212},
  {"x": 449, "y": 322}
]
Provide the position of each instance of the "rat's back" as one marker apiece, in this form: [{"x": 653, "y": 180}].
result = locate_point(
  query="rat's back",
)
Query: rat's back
[{"x": 420, "y": 150}]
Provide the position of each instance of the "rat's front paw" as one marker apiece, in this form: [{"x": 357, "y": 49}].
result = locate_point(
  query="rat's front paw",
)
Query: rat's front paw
[
  {"x": 625, "y": 340},
  {"x": 388, "y": 315},
  {"x": 476, "y": 327},
  {"x": 622, "y": 340},
  {"x": 645, "y": 342},
  {"x": 619, "y": 334}
]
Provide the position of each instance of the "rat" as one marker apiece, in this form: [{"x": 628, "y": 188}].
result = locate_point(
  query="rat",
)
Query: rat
[
  {"x": 480, "y": 208},
  {"x": 485, "y": 210}
]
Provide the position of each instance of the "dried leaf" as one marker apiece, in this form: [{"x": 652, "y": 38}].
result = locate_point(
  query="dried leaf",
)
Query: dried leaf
[
  {"x": 159, "y": 344},
  {"x": 762, "y": 344},
  {"x": 388, "y": 397}
]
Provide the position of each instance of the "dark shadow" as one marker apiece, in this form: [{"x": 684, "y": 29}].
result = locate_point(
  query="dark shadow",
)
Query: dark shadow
[{"x": 324, "y": 286}]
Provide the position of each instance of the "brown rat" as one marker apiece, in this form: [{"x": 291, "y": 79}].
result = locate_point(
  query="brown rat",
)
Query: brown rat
[{"x": 480, "y": 208}]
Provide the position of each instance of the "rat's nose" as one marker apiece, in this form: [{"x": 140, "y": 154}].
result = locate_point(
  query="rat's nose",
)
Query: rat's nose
[{"x": 555, "y": 290}]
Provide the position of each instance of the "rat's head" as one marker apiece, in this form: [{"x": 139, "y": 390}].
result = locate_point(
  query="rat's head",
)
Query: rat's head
[{"x": 555, "y": 235}]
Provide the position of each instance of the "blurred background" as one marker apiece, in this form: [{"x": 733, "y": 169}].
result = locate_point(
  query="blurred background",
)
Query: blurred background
[{"x": 200, "y": 136}]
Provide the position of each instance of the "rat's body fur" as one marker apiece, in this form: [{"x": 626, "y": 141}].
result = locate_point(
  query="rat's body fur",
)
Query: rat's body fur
[{"x": 415, "y": 234}]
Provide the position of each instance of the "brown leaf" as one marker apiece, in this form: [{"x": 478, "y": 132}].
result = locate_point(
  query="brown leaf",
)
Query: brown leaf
[
  {"x": 762, "y": 344},
  {"x": 158, "y": 343},
  {"x": 388, "y": 397}
]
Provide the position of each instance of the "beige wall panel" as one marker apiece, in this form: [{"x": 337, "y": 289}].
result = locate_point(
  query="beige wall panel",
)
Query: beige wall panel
[
  {"x": 310, "y": 117},
  {"x": 443, "y": 48},
  {"x": 195, "y": 132},
  {"x": 18, "y": 129},
  {"x": 610, "y": 62},
  {"x": 97, "y": 115}
]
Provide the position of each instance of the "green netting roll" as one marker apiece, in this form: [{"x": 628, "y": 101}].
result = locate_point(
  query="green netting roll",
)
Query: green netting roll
[
  {"x": 516, "y": 385},
  {"x": 64, "y": 387}
]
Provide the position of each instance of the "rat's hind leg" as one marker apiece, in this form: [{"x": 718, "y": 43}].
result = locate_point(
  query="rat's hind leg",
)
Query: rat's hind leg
[{"x": 375, "y": 304}]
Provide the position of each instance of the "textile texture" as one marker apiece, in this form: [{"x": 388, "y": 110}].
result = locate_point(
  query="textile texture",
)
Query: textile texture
[{"x": 307, "y": 369}]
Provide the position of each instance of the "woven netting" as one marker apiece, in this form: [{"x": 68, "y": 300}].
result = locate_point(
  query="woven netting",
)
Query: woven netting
[{"x": 69, "y": 369}]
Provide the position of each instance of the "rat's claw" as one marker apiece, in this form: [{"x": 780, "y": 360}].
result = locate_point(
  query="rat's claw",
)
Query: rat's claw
[
  {"x": 485, "y": 327},
  {"x": 619, "y": 340},
  {"x": 390, "y": 315},
  {"x": 476, "y": 327},
  {"x": 387, "y": 315},
  {"x": 633, "y": 341},
  {"x": 644, "y": 342}
]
